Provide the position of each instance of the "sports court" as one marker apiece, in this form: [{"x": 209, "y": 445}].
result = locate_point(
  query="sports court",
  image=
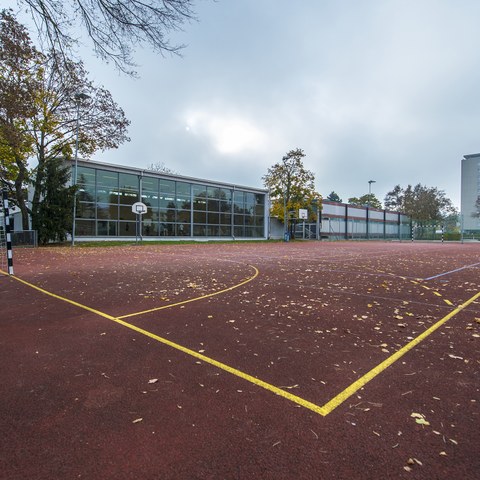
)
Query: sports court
[{"x": 305, "y": 360}]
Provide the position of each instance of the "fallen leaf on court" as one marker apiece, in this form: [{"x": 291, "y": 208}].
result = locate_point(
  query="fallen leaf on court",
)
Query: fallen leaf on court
[
  {"x": 407, "y": 468},
  {"x": 453, "y": 441},
  {"x": 444, "y": 454},
  {"x": 153, "y": 380},
  {"x": 419, "y": 418},
  {"x": 384, "y": 350},
  {"x": 137, "y": 420},
  {"x": 422, "y": 421},
  {"x": 454, "y": 356}
]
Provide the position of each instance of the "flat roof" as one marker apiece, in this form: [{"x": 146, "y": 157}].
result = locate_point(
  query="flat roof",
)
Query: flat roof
[
  {"x": 471, "y": 155},
  {"x": 171, "y": 176}
]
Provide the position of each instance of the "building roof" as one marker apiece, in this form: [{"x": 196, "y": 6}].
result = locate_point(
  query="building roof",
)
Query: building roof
[
  {"x": 171, "y": 176},
  {"x": 471, "y": 155}
]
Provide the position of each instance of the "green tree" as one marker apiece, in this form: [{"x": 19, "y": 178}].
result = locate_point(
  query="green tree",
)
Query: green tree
[
  {"x": 61, "y": 112},
  {"x": 421, "y": 203},
  {"x": 333, "y": 197},
  {"x": 114, "y": 28},
  {"x": 291, "y": 186},
  {"x": 41, "y": 113},
  {"x": 54, "y": 218},
  {"x": 19, "y": 64},
  {"x": 369, "y": 199}
]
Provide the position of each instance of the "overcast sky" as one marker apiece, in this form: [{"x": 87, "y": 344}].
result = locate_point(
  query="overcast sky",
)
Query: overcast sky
[{"x": 384, "y": 90}]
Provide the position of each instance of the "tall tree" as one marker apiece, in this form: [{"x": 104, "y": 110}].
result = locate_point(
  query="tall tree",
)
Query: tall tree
[
  {"x": 45, "y": 120},
  {"x": 19, "y": 63},
  {"x": 114, "y": 28},
  {"x": 69, "y": 105},
  {"x": 333, "y": 197},
  {"x": 54, "y": 216},
  {"x": 421, "y": 203},
  {"x": 291, "y": 186}
]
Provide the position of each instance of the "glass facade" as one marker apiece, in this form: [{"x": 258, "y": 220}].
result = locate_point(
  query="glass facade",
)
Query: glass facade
[{"x": 175, "y": 208}]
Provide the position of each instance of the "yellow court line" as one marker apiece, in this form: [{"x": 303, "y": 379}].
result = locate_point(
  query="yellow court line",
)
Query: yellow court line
[
  {"x": 355, "y": 386},
  {"x": 183, "y": 302},
  {"x": 245, "y": 376},
  {"x": 321, "y": 410}
]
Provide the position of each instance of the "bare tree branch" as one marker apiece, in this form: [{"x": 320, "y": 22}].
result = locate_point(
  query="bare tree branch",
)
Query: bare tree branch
[{"x": 114, "y": 27}]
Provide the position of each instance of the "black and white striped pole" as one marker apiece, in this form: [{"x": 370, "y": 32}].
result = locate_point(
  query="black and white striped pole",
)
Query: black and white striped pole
[{"x": 8, "y": 234}]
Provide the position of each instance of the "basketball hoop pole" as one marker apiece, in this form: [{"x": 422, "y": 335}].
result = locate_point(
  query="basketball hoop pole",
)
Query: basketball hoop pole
[{"x": 138, "y": 208}]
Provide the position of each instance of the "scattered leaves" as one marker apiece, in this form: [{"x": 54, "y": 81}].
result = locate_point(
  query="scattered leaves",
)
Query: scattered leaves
[{"x": 419, "y": 418}]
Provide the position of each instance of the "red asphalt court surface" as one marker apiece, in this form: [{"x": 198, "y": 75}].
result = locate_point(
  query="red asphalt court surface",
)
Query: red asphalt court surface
[{"x": 299, "y": 360}]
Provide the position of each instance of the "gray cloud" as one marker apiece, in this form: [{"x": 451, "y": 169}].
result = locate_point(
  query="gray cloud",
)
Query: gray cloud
[{"x": 378, "y": 89}]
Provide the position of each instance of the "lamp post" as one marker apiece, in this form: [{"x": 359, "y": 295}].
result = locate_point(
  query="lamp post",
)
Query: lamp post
[
  {"x": 79, "y": 96},
  {"x": 370, "y": 189}
]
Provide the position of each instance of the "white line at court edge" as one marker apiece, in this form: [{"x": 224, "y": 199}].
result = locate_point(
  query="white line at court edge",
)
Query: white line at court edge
[{"x": 452, "y": 271}]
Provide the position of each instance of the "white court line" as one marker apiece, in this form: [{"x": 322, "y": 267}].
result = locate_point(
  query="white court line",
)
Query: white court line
[{"x": 452, "y": 271}]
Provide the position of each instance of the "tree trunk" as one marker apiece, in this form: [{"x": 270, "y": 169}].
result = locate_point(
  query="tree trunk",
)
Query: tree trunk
[{"x": 20, "y": 197}]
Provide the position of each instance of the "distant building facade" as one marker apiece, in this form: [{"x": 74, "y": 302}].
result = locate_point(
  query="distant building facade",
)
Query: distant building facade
[
  {"x": 177, "y": 206},
  {"x": 341, "y": 221},
  {"x": 470, "y": 191}
]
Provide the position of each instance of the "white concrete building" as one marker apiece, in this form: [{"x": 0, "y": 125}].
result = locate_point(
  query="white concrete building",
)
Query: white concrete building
[{"x": 470, "y": 191}]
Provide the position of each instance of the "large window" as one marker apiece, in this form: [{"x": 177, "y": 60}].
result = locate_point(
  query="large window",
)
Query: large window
[{"x": 174, "y": 207}]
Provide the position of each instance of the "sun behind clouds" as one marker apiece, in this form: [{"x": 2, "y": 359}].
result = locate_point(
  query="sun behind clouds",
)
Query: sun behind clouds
[{"x": 229, "y": 134}]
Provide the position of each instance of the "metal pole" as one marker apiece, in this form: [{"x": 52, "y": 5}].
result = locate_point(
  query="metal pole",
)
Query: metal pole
[
  {"x": 8, "y": 234},
  {"x": 75, "y": 174}
]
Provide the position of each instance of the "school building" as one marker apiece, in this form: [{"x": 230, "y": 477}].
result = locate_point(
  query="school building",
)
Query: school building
[{"x": 177, "y": 206}]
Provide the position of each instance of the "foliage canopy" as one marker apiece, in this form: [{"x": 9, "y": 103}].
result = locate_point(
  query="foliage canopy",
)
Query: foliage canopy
[
  {"x": 369, "y": 199},
  {"x": 48, "y": 117},
  {"x": 421, "y": 203},
  {"x": 333, "y": 197},
  {"x": 292, "y": 186}
]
